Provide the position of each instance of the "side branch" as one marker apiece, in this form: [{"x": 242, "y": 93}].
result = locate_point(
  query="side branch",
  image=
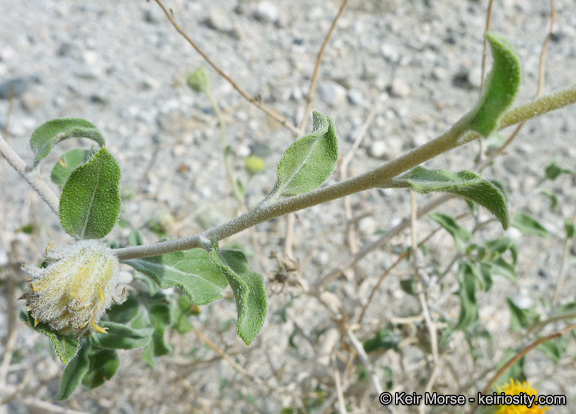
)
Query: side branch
[{"x": 35, "y": 182}]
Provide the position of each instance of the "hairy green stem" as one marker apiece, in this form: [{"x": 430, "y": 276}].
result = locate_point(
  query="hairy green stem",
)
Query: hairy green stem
[
  {"x": 35, "y": 181},
  {"x": 453, "y": 138}
]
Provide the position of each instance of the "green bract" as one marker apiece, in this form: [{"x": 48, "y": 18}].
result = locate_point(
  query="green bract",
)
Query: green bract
[
  {"x": 90, "y": 201},
  {"x": 308, "y": 162},
  {"x": 52, "y": 132}
]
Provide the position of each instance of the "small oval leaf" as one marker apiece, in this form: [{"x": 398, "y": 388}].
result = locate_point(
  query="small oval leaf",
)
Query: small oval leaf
[
  {"x": 49, "y": 134},
  {"x": 465, "y": 184},
  {"x": 501, "y": 87},
  {"x": 308, "y": 162},
  {"x": 67, "y": 163},
  {"x": 90, "y": 201},
  {"x": 191, "y": 270},
  {"x": 249, "y": 291}
]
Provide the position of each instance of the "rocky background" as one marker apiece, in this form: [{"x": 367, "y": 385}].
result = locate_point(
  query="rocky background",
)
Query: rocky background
[{"x": 413, "y": 66}]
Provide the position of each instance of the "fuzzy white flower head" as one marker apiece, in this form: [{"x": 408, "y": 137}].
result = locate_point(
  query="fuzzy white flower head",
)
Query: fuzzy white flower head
[{"x": 72, "y": 293}]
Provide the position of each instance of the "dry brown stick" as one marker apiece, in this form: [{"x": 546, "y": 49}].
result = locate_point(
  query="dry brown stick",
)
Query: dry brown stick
[
  {"x": 312, "y": 90},
  {"x": 485, "y": 46},
  {"x": 542, "y": 67},
  {"x": 344, "y": 175},
  {"x": 269, "y": 112},
  {"x": 376, "y": 244},
  {"x": 341, "y": 402},
  {"x": 365, "y": 360},
  {"x": 387, "y": 272},
  {"x": 419, "y": 286},
  {"x": 524, "y": 351},
  {"x": 228, "y": 359}
]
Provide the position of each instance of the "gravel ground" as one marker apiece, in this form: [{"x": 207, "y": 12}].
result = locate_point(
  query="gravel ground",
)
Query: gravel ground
[{"x": 415, "y": 65}]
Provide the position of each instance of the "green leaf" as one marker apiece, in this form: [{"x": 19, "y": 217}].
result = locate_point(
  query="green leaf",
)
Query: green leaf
[
  {"x": 383, "y": 340},
  {"x": 500, "y": 89},
  {"x": 249, "y": 291},
  {"x": 65, "y": 346},
  {"x": 74, "y": 373},
  {"x": 67, "y": 163},
  {"x": 467, "y": 278},
  {"x": 465, "y": 184},
  {"x": 49, "y": 134},
  {"x": 528, "y": 225},
  {"x": 103, "y": 365},
  {"x": 191, "y": 270},
  {"x": 460, "y": 234},
  {"x": 135, "y": 238},
  {"x": 554, "y": 170},
  {"x": 126, "y": 311},
  {"x": 554, "y": 349},
  {"x": 122, "y": 337},
  {"x": 552, "y": 197},
  {"x": 182, "y": 312},
  {"x": 308, "y": 162},
  {"x": 160, "y": 318},
  {"x": 90, "y": 201},
  {"x": 521, "y": 318},
  {"x": 569, "y": 228}
]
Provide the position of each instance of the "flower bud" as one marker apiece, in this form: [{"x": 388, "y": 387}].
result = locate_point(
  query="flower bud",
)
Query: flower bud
[{"x": 74, "y": 290}]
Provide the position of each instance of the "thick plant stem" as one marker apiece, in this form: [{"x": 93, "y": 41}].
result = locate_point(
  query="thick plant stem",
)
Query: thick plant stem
[
  {"x": 453, "y": 138},
  {"x": 265, "y": 212},
  {"x": 35, "y": 182}
]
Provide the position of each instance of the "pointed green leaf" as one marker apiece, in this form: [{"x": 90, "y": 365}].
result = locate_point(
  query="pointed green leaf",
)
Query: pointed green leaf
[
  {"x": 160, "y": 318},
  {"x": 521, "y": 318},
  {"x": 500, "y": 89},
  {"x": 249, "y": 291},
  {"x": 569, "y": 227},
  {"x": 308, "y": 162},
  {"x": 191, "y": 270},
  {"x": 67, "y": 163},
  {"x": 65, "y": 346},
  {"x": 554, "y": 170},
  {"x": 122, "y": 337},
  {"x": 529, "y": 225},
  {"x": 465, "y": 184},
  {"x": 467, "y": 278},
  {"x": 103, "y": 365},
  {"x": 49, "y": 134},
  {"x": 90, "y": 201},
  {"x": 460, "y": 234},
  {"x": 74, "y": 373}
]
